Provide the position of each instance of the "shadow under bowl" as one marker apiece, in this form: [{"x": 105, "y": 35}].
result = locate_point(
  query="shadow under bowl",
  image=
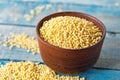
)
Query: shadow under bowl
[{"x": 70, "y": 61}]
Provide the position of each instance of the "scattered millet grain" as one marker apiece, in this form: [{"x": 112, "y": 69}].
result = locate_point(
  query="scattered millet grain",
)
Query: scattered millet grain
[
  {"x": 48, "y": 6},
  {"x": 22, "y": 41},
  {"x": 31, "y": 71},
  {"x": 35, "y": 12},
  {"x": 70, "y": 32}
]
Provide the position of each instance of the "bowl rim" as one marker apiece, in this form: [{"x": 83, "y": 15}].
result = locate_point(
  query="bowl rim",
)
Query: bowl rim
[{"x": 57, "y": 47}]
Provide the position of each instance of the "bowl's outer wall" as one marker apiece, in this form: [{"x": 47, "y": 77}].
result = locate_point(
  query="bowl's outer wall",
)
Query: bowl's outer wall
[{"x": 69, "y": 61}]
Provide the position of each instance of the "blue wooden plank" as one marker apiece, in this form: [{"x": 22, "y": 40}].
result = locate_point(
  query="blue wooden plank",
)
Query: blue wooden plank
[
  {"x": 13, "y": 12},
  {"x": 16, "y": 53},
  {"x": 95, "y": 74},
  {"x": 91, "y": 2},
  {"x": 88, "y": 2},
  {"x": 109, "y": 57},
  {"x": 108, "y": 11}
]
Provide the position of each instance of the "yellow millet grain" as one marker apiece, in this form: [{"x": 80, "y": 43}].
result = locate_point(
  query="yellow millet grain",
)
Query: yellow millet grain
[
  {"x": 70, "y": 32},
  {"x": 31, "y": 71},
  {"x": 22, "y": 41}
]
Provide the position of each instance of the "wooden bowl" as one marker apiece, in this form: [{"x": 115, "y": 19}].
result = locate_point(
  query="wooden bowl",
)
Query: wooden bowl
[{"x": 70, "y": 61}]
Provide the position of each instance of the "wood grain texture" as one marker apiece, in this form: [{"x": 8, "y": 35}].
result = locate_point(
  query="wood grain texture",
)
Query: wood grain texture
[
  {"x": 16, "y": 53},
  {"x": 13, "y": 12},
  {"x": 109, "y": 56},
  {"x": 94, "y": 74},
  {"x": 108, "y": 11}
]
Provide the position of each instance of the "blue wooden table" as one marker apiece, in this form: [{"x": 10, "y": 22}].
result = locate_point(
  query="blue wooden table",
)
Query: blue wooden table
[{"x": 22, "y": 16}]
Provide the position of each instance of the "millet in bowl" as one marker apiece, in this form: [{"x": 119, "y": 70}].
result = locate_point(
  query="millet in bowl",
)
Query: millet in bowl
[
  {"x": 70, "y": 32},
  {"x": 70, "y": 42}
]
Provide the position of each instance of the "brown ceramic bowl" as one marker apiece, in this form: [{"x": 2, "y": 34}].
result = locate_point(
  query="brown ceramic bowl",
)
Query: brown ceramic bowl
[{"x": 70, "y": 61}]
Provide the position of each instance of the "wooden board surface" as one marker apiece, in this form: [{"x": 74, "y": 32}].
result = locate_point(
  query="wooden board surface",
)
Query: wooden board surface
[
  {"x": 95, "y": 74},
  {"x": 9, "y": 14},
  {"x": 108, "y": 11},
  {"x": 109, "y": 56}
]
